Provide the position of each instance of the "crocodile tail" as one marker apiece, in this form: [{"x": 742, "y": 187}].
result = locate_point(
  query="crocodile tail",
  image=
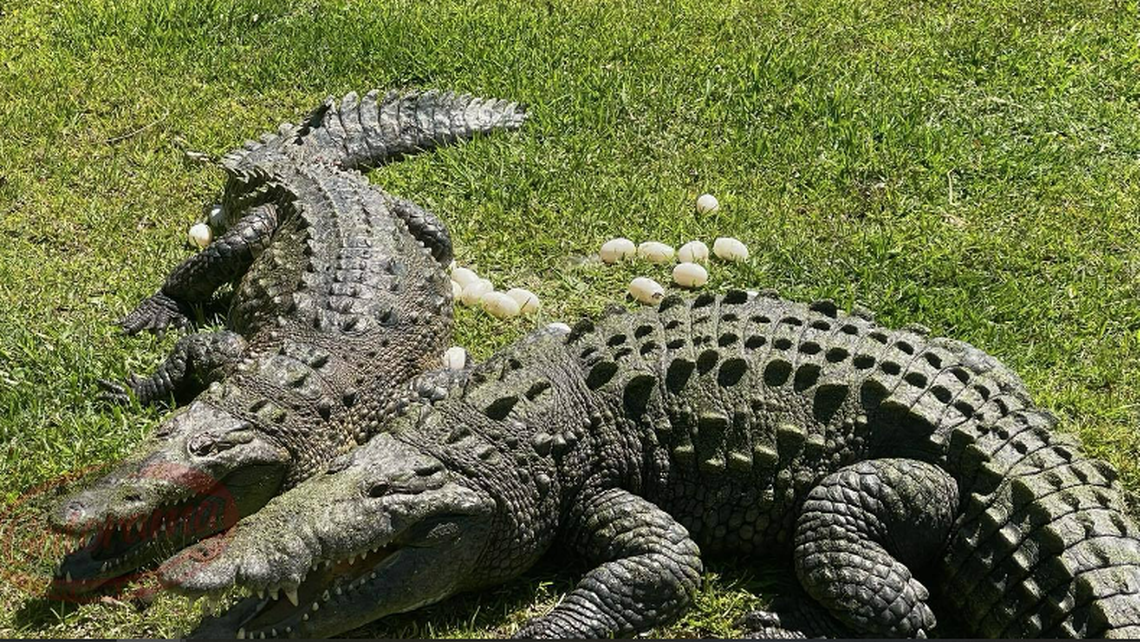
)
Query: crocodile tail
[
  {"x": 373, "y": 129},
  {"x": 1042, "y": 547}
]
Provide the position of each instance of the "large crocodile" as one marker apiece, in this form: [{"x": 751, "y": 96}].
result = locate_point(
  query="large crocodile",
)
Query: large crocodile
[
  {"x": 902, "y": 477},
  {"x": 342, "y": 299}
]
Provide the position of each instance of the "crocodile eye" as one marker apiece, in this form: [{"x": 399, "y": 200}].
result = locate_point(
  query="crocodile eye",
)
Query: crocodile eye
[
  {"x": 203, "y": 445},
  {"x": 379, "y": 489}
]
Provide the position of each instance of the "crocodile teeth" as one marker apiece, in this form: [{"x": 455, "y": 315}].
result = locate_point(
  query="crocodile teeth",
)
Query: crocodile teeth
[
  {"x": 275, "y": 592},
  {"x": 316, "y": 606},
  {"x": 273, "y": 632},
  {"x": 291, "y": 593},
  {"x": 325, "y": 596},
  {"x": 69, "y": 576},
  {"x": 261, "y": 594},
  {"x": 328, "y": 563},
  {"x": 305, "y": 617},
  {"x": 241, "y": 633},
  {"x": 351, "y": 558}
]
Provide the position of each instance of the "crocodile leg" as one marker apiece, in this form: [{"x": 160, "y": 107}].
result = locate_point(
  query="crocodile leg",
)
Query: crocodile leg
[
  {"x": 196, "y": 278},
  {"x": 197, "y": 359},
  {"x": 648, "y": 570},
  {"x": 425, "y": 226},
  {"x": 862, "y": 532}
]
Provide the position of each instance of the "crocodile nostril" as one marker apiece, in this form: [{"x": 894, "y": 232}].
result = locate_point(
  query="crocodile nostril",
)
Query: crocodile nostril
[{"x": 133, "y": 497}]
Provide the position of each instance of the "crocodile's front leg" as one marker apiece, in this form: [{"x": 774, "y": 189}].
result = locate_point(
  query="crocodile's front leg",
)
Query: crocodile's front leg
[
  {"x": 197, "y": 359},
  {"x": 649, "y": 569},
  {"x": 196, "y": 278},
  {"x": 864, "y": 531}
]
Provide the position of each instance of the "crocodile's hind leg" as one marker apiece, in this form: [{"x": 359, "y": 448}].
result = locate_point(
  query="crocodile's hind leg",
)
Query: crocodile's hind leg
[
  {"x": 196, "y": 278},
  {"x": 197, "y": 359},
  {"x": 424, "y": 226},
  {"x": 864, "y": 530},
  {"x": 648, "y": 570}
]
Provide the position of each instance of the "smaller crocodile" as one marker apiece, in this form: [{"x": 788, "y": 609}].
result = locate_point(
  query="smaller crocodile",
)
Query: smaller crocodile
[
  {"x": 341, "y": 299},
  {"x": 898, "y": 475},
  {"x": 358, "y": 133}
]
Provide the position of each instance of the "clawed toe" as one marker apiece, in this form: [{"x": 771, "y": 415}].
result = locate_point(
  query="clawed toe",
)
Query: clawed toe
[
  {"x": 155, "y": 314},
  {"x": 113, "y": 392}
]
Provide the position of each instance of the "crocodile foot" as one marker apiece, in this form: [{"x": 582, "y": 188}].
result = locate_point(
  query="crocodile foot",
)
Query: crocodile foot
[
  {"x": 792, "y": 618},
  {"x": 155, "y": 314},
  {"x": 117, "y": 392}
]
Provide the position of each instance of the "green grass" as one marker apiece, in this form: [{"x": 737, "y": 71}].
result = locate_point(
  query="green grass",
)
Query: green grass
[{"x": 970, "y": 166}]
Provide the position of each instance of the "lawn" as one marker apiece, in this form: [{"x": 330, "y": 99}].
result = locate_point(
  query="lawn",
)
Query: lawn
[{"x": 970, "y": 166}]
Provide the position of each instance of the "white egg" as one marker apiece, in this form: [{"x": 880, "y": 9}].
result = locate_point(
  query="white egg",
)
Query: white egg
[
  {"x": 526, "y": 299},
  {"x": 455, "y": 358},
  {"x": 617, "y": 249},
  {"x": 464, "y": 276},
  {"x": 707, "y": 203},
  {"x": 216, "y": 217},
  {"x": 472, "y": 292},
  {"x": 693, "y": 252},
  {"x": 201, "y": 235},
  {"x": 646, "y": 290},
  {"x": 655, "y": 252},
  {"x": 730, "y": 249},
  {"x": 499, "y": 305},
  {"x": 456, "y": 291},
  {"x": 559, "y": 327},
  {"x": 690, "y": 275}
]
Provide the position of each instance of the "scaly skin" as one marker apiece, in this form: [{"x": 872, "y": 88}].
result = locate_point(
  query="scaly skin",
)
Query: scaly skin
[
  {"x": 342, "y": 298},
  {"x": 876, "y": 463},
  {"x": 357, "y": 134}
]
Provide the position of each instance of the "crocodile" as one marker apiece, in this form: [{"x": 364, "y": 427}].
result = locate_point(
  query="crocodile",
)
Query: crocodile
[
  {"x": 341, "y": 298},
  {"x": 358, "y": 133},
  {"x": 907, "y": 482}
]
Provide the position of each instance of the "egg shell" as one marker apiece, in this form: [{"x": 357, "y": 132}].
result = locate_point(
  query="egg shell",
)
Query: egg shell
[
  {"x": 655, "y": 252},
  {"x": 499, "y": 305},
  {"x": 455, "y": 358},
  {"x": 464, "y": 276},
  {"x": 690, "y": 275},
  {"x": 693, "y": 252},
  {"x": 617, "y": 249},
  {"x": 730, "y": 249},
  {"x": 475, "y": 291},
  {"x": 646, "y": 290},
  {"x": 707, "y": 203},
  {"x": 526, "y": 299},
  {"x": 200, "y": 235},
  {"x": 456, "y": 291},
  {"x": 559, "y": 327}
]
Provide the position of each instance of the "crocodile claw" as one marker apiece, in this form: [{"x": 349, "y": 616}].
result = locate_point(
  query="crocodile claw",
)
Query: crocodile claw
[
  {"x": 114, "y": 392},
  {"x": 155, "y": 314}
]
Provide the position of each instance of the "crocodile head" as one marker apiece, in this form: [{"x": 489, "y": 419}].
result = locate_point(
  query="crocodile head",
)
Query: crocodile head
[
  {"x": 385, "y": 530},
  {"x": 201, "y": 471}
]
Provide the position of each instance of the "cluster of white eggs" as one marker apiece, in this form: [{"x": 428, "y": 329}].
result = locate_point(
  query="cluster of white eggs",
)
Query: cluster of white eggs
[
  {"x": 470, "y": 289},
  {"x": 688, "y": 273}
]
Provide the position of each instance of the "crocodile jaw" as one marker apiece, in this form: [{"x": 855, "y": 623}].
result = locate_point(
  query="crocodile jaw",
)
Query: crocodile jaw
[
  {"x": 201, "y": 472},
  {"x": 333, "y": 554}
]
